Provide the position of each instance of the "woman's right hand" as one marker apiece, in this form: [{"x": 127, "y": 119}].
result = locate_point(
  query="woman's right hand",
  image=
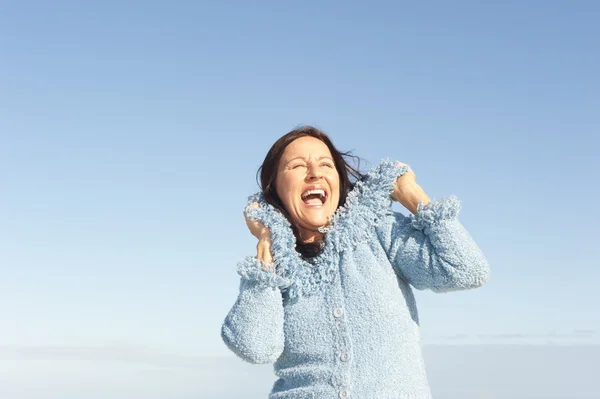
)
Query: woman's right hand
[{"x": 260, "y": 231}]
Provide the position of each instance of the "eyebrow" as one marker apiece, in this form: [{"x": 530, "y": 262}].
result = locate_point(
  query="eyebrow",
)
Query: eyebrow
[{"x": 319, "y": 159}]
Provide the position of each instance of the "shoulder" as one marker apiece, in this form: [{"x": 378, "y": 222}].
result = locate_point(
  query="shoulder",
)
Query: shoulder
[{"x": 367, "y": 205}]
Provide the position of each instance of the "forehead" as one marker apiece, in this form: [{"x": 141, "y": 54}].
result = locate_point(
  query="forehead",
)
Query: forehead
[{"x": 306, "y": 147}]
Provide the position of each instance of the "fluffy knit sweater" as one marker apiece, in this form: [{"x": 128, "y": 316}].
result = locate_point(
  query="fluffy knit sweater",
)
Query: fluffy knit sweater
[{"x": 345, "y": 324}]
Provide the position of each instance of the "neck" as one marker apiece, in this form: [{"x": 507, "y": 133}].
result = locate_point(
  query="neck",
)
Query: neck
[{"x": 309, "y": 236}]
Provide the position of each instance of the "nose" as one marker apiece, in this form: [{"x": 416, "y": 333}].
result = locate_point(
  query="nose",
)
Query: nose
[{"x": 313, "y": 173}]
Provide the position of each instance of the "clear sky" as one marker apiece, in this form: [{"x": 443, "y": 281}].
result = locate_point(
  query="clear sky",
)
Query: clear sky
[{"x": 130, "y": 135}]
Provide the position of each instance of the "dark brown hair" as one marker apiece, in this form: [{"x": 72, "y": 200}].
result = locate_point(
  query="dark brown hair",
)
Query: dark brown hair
[{"x": 268, "y": 174}]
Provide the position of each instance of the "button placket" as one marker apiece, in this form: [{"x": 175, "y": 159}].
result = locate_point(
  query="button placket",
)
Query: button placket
[{"x": 340, "y": 378}]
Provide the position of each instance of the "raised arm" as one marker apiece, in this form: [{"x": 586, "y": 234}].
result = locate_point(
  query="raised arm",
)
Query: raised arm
[
  {"x": 430, "y": 249},
  {"x": 253, "y": 329}
]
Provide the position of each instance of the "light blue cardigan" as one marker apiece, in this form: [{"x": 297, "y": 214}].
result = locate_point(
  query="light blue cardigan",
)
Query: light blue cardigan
[{"x": 345, "y": 325}]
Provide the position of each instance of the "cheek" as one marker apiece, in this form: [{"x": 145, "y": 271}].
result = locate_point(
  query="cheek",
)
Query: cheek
[
  {"x": 334, "y": 183},
  {"x": 336, "y": 200},
  {"x": 285, "y": 187}
]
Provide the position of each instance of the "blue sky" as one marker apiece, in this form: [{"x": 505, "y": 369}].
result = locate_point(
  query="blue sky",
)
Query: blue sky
[{"x": 130, "y": 135}]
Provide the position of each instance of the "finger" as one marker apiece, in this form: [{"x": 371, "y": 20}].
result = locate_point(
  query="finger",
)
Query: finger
[{"x": 252, "y": 205}]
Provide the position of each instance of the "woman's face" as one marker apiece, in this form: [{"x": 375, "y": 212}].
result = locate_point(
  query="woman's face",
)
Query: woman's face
[{"x": 308, "y": 184}]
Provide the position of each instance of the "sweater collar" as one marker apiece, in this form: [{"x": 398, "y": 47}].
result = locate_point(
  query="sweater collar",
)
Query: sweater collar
[{"x": 351, "y": 224}]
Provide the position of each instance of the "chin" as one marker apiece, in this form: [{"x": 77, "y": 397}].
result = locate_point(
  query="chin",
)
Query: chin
[{"x": 314, "y": 224}]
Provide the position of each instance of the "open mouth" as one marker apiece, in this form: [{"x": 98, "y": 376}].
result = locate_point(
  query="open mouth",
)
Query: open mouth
[{"x": 315, "y": 197}]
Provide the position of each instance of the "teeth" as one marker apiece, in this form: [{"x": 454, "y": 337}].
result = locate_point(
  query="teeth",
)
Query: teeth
[{"x": 309, "y": 192}]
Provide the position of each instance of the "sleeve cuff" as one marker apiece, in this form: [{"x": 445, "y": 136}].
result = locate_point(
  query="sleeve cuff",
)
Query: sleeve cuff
[
  {"x": 435, "y": 211},
  {"x": 251, "y": 269}
]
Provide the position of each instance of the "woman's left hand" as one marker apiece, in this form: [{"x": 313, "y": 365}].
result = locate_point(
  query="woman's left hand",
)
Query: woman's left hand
[{"x": 408, "y": 192}]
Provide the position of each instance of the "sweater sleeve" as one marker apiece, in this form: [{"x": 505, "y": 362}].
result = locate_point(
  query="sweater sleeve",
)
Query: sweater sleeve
[
  {"x": 432, "y": 249},
  {"x": 253, "y": 328}
]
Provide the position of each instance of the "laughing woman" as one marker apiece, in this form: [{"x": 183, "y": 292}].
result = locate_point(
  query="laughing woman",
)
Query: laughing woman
[{"x": 328, "y": 297}]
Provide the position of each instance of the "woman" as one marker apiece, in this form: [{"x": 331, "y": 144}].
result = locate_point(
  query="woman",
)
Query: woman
[{"x": 328, "y": 297}]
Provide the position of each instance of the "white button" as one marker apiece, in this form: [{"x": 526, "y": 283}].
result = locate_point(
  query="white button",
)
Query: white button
[
  {"x": 344, "y": 394},
  {"x": 345, "y": 357},
  {"x": 338, "y": 312}
]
